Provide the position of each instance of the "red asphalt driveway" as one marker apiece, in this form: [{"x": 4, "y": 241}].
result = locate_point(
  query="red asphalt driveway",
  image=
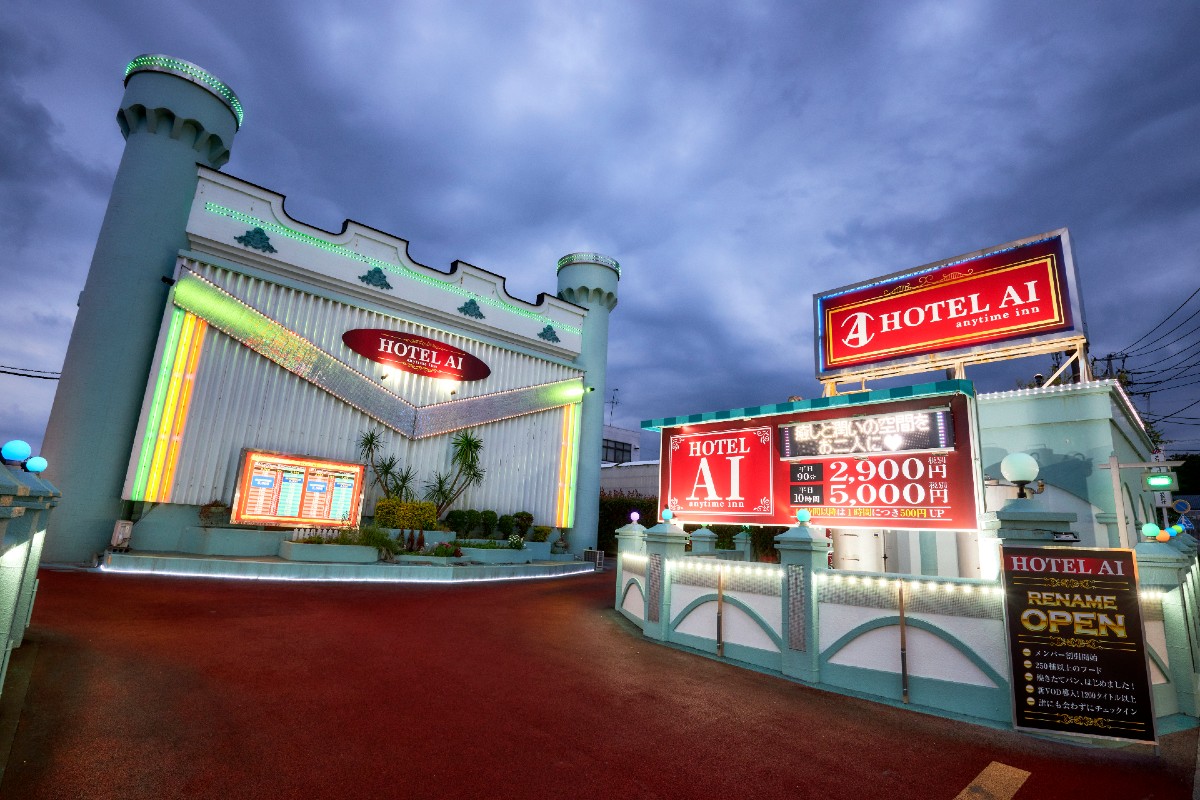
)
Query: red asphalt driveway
[{"x": 145, "y": 687}]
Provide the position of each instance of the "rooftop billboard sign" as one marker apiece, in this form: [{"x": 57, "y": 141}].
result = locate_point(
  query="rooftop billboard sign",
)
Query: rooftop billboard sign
[{"x": 927, "y": 318}]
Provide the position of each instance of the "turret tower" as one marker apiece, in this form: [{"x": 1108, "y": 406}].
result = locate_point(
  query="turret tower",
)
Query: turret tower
[
  {"x": 174, "y": 115},
  {"x": 590, "y": 280}
]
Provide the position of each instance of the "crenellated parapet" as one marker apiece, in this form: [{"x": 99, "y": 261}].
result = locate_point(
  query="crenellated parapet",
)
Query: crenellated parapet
[
  {"x": 589, "y": 280},
  {"x": 135, "y": 119},
  {"x": 158, "y": 101}
]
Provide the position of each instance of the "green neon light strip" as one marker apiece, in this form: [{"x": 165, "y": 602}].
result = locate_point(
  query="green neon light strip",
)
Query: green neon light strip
[
  {"x": 589, "y": 258},
  {"x": 146, "y": 455},
  {"x": 301, "y": 357},
  {"x": 209, "y": 81},
  {"x": 395, "y": 269}
]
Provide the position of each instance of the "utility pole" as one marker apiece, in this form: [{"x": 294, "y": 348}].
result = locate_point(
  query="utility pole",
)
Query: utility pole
[{"x": 612, "y": 405}]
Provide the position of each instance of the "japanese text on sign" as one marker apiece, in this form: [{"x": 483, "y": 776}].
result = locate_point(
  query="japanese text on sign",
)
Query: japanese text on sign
[
  {"x": 902, "y": 432},
  {"x": 278, "y": 489},
  {"x": 1076, "y": 642}
]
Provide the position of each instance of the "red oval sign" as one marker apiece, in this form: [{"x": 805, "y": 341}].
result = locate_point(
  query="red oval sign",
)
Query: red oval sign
[{"x": 416, "y": 354}]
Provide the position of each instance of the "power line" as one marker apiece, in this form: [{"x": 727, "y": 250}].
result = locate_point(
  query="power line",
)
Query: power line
[
  {"x": 22, "y": 372},
  {"x": 1164, "y": 320},
  {"x": 1175, "y": 413},
  {"x": 1135, "y": 386},
  {"x": 1166, "y": 358},
  {"x": 1146, "y": 349}
]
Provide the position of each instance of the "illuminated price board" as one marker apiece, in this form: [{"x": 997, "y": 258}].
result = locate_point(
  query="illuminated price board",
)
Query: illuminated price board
[
  {"x": 903, "y": 491},
  {"x": 297, "y": 491},
  {"x": 904, "y": 464}
]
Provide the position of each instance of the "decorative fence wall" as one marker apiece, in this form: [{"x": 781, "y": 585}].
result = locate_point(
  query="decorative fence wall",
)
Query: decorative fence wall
[
  {"x": 25, "y": 504},
  {"x": 938, "y": 644}
]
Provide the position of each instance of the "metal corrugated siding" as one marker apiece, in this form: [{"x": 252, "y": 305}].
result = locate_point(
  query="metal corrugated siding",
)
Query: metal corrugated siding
[{"x": 242, "y": 400}]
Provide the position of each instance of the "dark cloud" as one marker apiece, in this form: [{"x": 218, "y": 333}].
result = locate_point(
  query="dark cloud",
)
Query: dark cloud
[{"x": 736, "y": 158}]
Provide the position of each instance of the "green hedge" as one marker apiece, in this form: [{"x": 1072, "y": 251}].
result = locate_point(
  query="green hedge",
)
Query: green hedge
[
  {"x": 393, "y": 513},
  {"x": 614, "y": 513}
]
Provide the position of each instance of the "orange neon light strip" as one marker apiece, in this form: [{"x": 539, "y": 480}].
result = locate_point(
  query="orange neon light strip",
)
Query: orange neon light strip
[
  {"x": 566, "y": 468},
  {"x": 181, "y": 413},
  {"x": 163, "y": 440}
]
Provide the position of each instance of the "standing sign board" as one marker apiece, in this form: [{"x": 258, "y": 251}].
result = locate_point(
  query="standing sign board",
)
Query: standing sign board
[
  {"x": 903, "y": 464},
  {"x": 1076, "y": 643},
  {"x": 928, "y": 317}
]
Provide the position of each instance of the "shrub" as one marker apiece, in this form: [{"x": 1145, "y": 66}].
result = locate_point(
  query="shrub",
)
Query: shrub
[
  {"x": 472, "y": 520},
  {"x": 482, "y": 544},
  {"x": 368, "y": 536},
  {"x": 456, "y": 521},
  {"x": 504, "y": 526},
  {"x": 516, "y": 542},
  {"x": 375, "y": 536},
  {"x": 488, "y": 520},
  {"x": 539, "y": 533},
  {"x": 408, "y": 516},
  {"x": 614, "y": 513},
  {"x": 443, "y": 550},
  {"x": 523, "y": 520}
]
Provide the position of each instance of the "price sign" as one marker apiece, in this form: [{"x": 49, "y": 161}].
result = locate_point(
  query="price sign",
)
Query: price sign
[
  {"x": 880, "y": 490},
  {"x": 898, "y": 465},
  {"x": 287, "y": 490}
]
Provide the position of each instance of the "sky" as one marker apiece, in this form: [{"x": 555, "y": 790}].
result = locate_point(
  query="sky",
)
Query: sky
[{"x": 736, "y": 158}]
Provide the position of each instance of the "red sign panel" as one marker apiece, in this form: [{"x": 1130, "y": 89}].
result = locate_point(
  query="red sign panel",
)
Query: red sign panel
[
  {"x": 709, "y": 472},
  {"x": 417, "y": 354},
  {"x": 898, "y": 465},
  {"x": 1018, "y": 292}
]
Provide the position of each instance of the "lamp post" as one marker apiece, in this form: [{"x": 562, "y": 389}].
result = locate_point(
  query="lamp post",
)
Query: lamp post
[
  {"x": 1115, "y": 467},
  {"x": 1021, "y": 469}
]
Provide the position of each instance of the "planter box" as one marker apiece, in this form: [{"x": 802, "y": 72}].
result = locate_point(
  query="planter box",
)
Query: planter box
[
  {"x": 497, "y": 555},
  {"x": 443, "y": 561},
  {"x": 328, "y": 553},
  {"x": 431, "y": 537},
  {"x": 229, "y": 542},
  {"x": 538, "y": 551}
]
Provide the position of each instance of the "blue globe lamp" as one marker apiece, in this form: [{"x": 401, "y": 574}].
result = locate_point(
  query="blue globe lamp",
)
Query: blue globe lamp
[{"x": 15, "y": 451}]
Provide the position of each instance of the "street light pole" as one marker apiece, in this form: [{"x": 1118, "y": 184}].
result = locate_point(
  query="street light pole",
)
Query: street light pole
[{"x": 1118, "y": 498}]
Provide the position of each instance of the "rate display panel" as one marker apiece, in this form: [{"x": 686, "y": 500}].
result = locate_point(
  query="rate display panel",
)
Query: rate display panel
[
  {"x": 905, "y": 465},
  {"x": 297, "y": 491},
  {"x": 1021, "y": 292},
  {"x": 1076, "y": 642}
]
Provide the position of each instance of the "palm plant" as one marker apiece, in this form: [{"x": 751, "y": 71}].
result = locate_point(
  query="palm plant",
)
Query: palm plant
[
  {"x": 446, "y": 487},
  {"x": 392, "y": 479}
]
